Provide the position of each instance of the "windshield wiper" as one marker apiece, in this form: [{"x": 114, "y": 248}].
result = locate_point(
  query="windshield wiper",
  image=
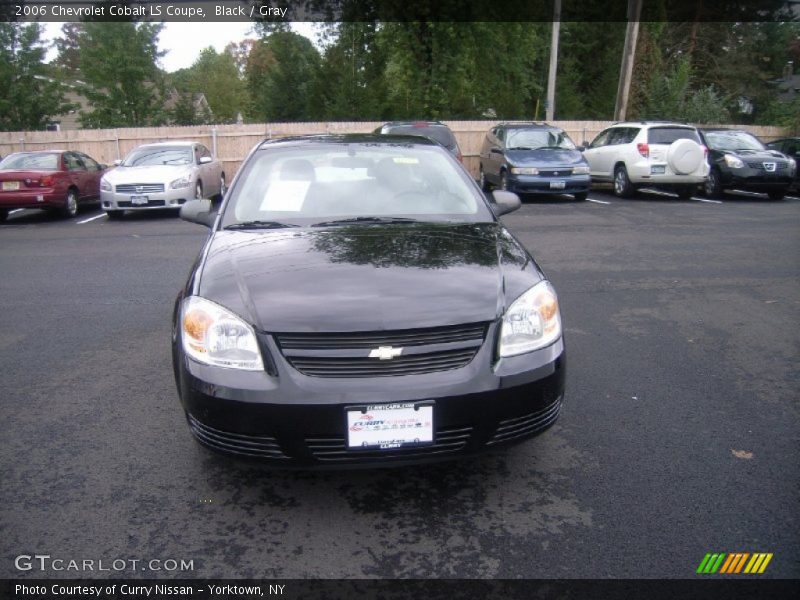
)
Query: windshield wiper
[
  {"x": 365, "y": 220},
  {"x": 519, "y": 148},
  {"x": 259, "y": 225}
]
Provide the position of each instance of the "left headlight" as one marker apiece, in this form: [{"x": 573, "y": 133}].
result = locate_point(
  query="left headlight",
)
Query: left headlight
[
  {"x": 183, "y": 182},
  {"x": 105, "y": 186},
  {"x": 524, "y": 170},
  {"x": 215, "y": 336},
  {"x": 531, "y": 322}
]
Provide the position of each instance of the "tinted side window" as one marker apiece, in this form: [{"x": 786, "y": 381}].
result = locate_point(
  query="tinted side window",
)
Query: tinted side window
[
  {"x": 601, "y": 139},
  {"x": 667, "y": 135},
  {"x": 91, "y": 164},
  {"x": 501, "y": 134},
  {"x": 204, "y": 152},
  {"x": 73, "y": 162},
  {"x": 791, "y": 147},
  {"x": 617, "y": 136},
  {"x": 629, "y": 135}
]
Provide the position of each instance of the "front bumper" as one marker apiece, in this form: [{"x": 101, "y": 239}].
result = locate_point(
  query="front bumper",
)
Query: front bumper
[
  {"x": 291, "y": 419},
  {"x": 756, "y": 180},
  {"x": 155, "y": 200},
  {"x": 537, "y": 184}
]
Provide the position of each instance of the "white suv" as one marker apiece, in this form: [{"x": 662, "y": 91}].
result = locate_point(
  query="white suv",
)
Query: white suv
[{"x": 649, "y": 154}]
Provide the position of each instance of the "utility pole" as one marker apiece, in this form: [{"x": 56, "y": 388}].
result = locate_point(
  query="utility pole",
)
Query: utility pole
[
  {"x": 550, "y": 103},
  {"x": 628, "y": 55}
]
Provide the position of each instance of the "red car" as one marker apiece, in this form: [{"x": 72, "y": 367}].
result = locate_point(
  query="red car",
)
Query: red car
[{"x": 49, "y": 179}]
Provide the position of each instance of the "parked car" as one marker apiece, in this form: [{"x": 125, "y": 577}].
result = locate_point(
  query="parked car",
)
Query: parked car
[
  {"x": 358, "y": 301},
  {"x": 668, "y": 156},
  {"x": 532, "y": 158},
  {"x": 433, "y": 130},
  {"x": 155, "y": 176},
  {"x": 791, "y": 148},
  {"x": 739, "y": 160},
  {"x": 55, "y": 180}
]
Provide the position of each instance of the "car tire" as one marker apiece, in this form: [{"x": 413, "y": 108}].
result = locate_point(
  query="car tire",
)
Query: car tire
[
  {"x": 504, "y": 181},
  {"x": 198, "y": 190},
  {"x": 3, "y": 214},
  {"x": 685, "y": 192},
  {"x": 70, "y": 208},
  {"x": 482, "y": 180},
  {"x": 623, "y": 187},
  {"x": 581, "y": 196},
  {"x": 222, "y": 187},
  {"x": 713, "y": 185},
  {"x": 776, "y": 195},
  {"x": 115, "y": 215}
]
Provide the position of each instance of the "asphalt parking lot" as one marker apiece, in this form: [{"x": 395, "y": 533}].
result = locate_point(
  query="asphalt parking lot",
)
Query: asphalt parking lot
[{"x": 679, "y": 434}]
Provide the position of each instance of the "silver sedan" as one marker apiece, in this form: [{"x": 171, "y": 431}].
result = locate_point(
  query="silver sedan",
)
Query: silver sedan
[{"x": 163, "y": 175}]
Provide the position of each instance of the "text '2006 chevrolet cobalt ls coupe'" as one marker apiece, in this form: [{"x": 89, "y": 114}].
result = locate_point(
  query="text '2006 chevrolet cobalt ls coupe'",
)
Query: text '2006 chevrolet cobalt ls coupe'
[{"x": 358, "y": 302}]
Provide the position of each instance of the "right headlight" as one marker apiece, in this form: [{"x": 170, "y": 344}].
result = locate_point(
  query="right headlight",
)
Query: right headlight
[
  {"x": 105, "y": 186},
  {"x": 733, "y": 162},
  {"x": 531, "y": 322},
  {"x": 582, "y": 170},
  {"x": 213, "y": 335}
]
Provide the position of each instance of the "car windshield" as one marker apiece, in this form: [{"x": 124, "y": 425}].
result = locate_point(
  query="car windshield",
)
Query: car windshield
[
  {"x": 436, "y": 133},
  {"x": 732, "y": 141},
  {"x": 535, "y": 139},
  {"x": 352, "y": 183},
  {"x": 34, "y": 161},
  {"x": 159, "y": 155}
]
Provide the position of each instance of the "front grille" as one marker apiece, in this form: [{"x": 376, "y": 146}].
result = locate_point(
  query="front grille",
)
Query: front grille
[
  {"x": 511, "y": 429},
  {"x": 334, "y": 449},
  {"x": 347, "y": 354},
  {"x": 129, "y": 204},
  {"x": 373, "y": 339},
  {"x": 565, "y": 172},
  {"x": 261, "y": 446},
  {"x": 140, "y": 188},
  {"x": 779, "y": 166}
]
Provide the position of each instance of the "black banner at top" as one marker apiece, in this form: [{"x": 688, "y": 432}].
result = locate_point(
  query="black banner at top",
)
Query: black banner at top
[{"x": 396, "y": 10}]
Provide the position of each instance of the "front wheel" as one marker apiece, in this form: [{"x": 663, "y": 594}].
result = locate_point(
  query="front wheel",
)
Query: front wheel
[
  {"x": 622, "y": 184},
  {"x": 504, "y": 181},
  {"x": 198, "y": 191},
  {"x": 222, "y": 187},
  {"x": 713, "y": 185},
  {"x": 70, "y": 208},
  {"x": 482, "y": 180},
  {"x": 776, "y": 195}
]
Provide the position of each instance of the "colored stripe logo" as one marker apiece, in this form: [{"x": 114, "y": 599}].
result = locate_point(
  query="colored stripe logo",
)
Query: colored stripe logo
[{"x": 734, "y": 563}]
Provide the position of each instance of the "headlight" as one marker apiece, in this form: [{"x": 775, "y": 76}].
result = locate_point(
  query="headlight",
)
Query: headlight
[
  {"x": 215, "y": 336},
  {"x": 580, "y": 170},
  {"x": 532, "y": 321},
  {"x": 733, "y": 162},
  {"x": 524, "y": 170},
  {"x": 183, "y": 182},
  {"x": 792, "y": 165},
  {"x": 105, "y": 186}
]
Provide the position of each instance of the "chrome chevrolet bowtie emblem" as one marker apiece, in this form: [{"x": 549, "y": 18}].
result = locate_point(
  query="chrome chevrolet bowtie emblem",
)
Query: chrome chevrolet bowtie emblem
[
  {"x": 769, "y": 166},
  {"x": 385, "y": 352}
]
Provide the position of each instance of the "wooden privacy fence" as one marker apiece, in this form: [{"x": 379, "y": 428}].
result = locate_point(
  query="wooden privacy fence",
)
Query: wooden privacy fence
[{"x": 231, "y": 143}]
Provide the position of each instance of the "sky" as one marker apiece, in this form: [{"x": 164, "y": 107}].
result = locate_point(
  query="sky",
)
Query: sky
[{"x": 184, "y": 41}]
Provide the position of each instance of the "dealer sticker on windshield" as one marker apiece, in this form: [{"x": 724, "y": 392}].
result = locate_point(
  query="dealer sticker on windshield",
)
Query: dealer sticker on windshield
[{"x": 388, "y": 426}]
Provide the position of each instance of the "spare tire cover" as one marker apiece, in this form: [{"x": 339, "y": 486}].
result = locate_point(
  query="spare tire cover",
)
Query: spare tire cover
[{"x": 684, "y": 156}]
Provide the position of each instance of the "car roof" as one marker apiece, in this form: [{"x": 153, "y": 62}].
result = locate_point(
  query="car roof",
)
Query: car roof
[
  {"x": 656, "y": 123},
  {"x": 526, "y": 125},
  {"x": 418, "y": 123},
  {"x": 708, "y": 129},
  {"x": 351, "y": 138},
  {"x": 175, "y": 143}
]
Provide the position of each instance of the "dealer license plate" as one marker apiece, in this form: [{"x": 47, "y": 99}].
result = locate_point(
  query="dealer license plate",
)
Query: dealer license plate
[
  {"x": 557, "y": 185},
  {"x": 10, "y": 186},
  {"x": 139, "y": 200},
  {"x": 388, "y": 426}
]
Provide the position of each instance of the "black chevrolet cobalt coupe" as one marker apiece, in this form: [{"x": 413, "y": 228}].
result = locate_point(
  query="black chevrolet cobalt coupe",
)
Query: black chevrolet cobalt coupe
[{"x": 358, "y": 302}]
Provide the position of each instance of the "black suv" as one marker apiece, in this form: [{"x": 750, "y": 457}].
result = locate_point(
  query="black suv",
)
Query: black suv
[
  {"x": 791, "y": 148},
  {"x": 533, "y": 158},
  {"x": 433, "y": 130},
  {"x": 739, "y": 160}
]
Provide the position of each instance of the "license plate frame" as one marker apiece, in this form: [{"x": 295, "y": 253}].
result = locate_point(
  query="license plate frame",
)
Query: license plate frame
[
  {"x": 11, "y": 186},
  {"x": 139, "y": 200},
  {"x": 658, "y": 169},
  {"x": 395, "y": 425},
  {"x": 558, "y": 185}
]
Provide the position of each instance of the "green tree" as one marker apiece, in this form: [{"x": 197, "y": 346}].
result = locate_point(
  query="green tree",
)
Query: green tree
[
  {"x": 217, "y": 76},
  {"x": 28, "y": 98},
  {"x": 281, "y": 73},
  {"x": 124, "y": 85}
]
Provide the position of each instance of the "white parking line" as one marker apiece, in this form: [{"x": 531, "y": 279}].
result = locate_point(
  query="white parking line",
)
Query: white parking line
[
  {"x": 597, "y": 201},
  {"x": 94, "y": 218},
  {"x": 659, "y": 192},
  {"x": 791, "y": 198},
  {"x": 16, "y": 210},
  {"x": 707, "y": 200}
]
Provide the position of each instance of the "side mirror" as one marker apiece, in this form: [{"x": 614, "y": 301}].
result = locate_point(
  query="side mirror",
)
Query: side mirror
[
  {"x": 204, "y": 160},
  {"x": 505, "y": 202},
  {"x": 583, "y": 146},
  {"x": 198, "y": 211},
  {"x": 103, "y": 167},
  {"x": 117, "y": 162}
]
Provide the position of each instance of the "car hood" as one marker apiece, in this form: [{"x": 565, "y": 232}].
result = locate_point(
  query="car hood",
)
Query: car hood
[
  {"x": 756, "y": 154},
  {"x": 539, "y": 158},
  {"x": 153, "y": 173},
  {"x": 365, "y": 277}
]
